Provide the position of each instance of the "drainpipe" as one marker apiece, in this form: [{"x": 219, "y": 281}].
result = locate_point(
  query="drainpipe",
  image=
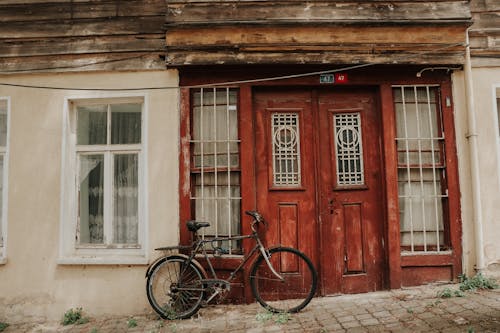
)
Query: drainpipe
[{"x": 472, "y": 137}]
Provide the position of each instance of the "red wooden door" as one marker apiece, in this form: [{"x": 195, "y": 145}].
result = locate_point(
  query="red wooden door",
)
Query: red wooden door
[
  {"x": 285, "y": 167},
  {"x": 351, "y": 192},
  {"x": 323, "y": 199}
]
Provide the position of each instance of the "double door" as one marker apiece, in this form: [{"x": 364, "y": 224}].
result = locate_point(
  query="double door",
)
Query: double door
[{"x": 319, "y": 180}]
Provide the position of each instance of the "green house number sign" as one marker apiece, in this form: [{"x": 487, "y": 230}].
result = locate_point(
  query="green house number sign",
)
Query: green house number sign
[{"x": 326, "y": 78}]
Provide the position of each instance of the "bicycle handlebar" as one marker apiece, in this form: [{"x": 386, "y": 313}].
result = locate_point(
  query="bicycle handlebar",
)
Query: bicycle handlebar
[{"x": 257, "y": 218}]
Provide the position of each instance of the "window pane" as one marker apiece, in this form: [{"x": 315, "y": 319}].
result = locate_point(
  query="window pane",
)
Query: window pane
[
  {"x": 125, "y": 123},
  {"x": 217, "y": 200},
  {"x": 125, "y": 199},
  {"x": 285, "y": 131},
  {"x": 3, "y": 123},
  {"x": 215, "y": 128},
  {"x": 91, "y": 219},
  {"x": 92, "y": 125}
]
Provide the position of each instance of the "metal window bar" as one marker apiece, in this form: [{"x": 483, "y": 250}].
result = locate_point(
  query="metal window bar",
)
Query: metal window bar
[
  {"x": 202, "y": 160},
  {"x": 421, "y": 167},
  {"x": 216, "y": 164},
  {"x": 407, "y": 146},
  {"x": 434, "y": 176}
]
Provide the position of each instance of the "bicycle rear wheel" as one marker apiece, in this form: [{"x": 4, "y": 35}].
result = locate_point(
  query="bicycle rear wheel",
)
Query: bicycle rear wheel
[
  {"x": 297, "y": 286},
  {"x": 174, "y": 287}
]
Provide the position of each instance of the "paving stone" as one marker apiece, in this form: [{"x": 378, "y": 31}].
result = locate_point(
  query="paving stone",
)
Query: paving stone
[{"x": 411, "y": 310}]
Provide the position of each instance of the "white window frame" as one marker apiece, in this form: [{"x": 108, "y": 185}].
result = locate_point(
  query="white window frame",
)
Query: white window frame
[
  {"x": 71, "y": 253},
  {"x": 495, "y": 97},
  {"x": 3, "y": 229}
]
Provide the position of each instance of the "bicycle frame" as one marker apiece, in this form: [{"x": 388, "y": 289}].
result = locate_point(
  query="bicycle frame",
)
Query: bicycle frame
[{"x": 199, "y": 247}]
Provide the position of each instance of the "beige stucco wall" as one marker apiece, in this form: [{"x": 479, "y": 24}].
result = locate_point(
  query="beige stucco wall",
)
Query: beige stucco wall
[
  {"x": 32, "y": 283},
  {"x": 485, "y": 81}
]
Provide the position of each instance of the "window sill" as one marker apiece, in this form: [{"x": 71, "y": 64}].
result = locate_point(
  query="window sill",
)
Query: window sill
[
  {"x": 122, "y": 260},
  {"x": 3, "y": 261}
]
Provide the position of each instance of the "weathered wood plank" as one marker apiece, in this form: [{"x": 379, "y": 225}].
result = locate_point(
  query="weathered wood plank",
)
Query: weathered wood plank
[
  {"x": 81, "y": 45},
  {"x": 238, "y": 58},
  {"x": 68, "y": 63},
  {"x": 486, "y": 20},
  {"x": 484, "y": 5},
  {"x": 94, "y": 27},
  {"x": 48, "y": 11},
  {"x": 186, "y": 13},
  {"x": 226, "y": 36}
]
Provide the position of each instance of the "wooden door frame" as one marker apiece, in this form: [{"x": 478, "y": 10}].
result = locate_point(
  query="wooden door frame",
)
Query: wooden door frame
[{"x": 383, "y": 77}]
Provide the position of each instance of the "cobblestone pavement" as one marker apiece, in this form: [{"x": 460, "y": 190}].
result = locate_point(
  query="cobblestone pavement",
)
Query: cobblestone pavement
[{"x": 413, "y": 310}]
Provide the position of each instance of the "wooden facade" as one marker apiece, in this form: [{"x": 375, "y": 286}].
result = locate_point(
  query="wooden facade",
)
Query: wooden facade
[
  {"x": 315, "y": 32},
  {"x": 484, "y": 34},
  {"x": 79, "y": 35}
]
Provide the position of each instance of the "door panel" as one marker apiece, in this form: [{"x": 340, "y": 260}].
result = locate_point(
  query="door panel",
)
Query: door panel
[
  {"x": 351, "y": 193},
  {"x": 285, "y": 167}
]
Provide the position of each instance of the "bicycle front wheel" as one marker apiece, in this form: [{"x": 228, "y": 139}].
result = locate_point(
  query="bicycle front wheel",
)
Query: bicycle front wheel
[
  {"x": 174, "y": 288},
  {"x": 296, "y": 287}
]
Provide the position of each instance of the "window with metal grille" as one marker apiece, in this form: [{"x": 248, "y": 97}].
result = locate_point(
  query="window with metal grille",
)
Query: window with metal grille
[
  {"x": 215, "y": 162},
  {"x": 421, "y": 169}
]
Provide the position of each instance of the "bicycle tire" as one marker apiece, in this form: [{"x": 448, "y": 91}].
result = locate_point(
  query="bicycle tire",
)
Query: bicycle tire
[
  {"x": 295, "y": 291},
  {"x": 174, "y": 290}
]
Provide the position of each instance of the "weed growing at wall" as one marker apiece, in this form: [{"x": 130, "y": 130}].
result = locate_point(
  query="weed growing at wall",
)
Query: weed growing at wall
[
  {"x": 74, "y": 316},
  {"x": 477, "y": 282},
  {"x": 3, "y": 326},
  {"x": 131, "y": 323}
]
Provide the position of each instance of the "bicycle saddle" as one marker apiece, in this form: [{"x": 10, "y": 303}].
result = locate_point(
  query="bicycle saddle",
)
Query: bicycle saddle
[{"x": 195, "y": 225}]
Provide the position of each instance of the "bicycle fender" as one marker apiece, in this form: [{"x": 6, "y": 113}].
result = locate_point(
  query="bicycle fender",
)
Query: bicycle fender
[{"x": 179, "y": 256}]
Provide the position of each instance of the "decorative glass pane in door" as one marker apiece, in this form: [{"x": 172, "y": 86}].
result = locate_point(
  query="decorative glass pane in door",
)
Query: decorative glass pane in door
[
  {"x": 348, "y": 149},
  {"x": 286, "y": 149}
]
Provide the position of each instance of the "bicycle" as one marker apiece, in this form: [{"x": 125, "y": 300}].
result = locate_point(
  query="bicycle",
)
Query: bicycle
[{"x": 282, "y": 279}]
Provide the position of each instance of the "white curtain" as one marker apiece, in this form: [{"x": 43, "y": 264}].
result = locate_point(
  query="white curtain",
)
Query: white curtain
[{"x": 125, "y": 199}]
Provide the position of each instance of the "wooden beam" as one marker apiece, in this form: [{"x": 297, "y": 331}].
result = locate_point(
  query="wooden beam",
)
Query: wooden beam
[
  {"x": 55, "y": 11},
  {"x": 299, "y": 34},
  {"x": 212, "y": 12},
  {"x": 20, "y": 47},
  {"x": 235, "y": 58},
  {"x": 69, "y": 63}
]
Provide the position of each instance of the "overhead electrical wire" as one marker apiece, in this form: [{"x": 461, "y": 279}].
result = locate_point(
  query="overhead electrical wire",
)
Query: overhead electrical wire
[{"x": 227, "y": 83}]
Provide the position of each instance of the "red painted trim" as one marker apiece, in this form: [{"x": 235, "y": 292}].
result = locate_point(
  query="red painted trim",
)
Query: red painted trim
[
  {"x": 184, "y": 166},
  {"x": 248, "y": 189},
  {"x": 427, "y": 260},
  {"x": 391, "y": 185},
  {"x": 454, "y": 208}
]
